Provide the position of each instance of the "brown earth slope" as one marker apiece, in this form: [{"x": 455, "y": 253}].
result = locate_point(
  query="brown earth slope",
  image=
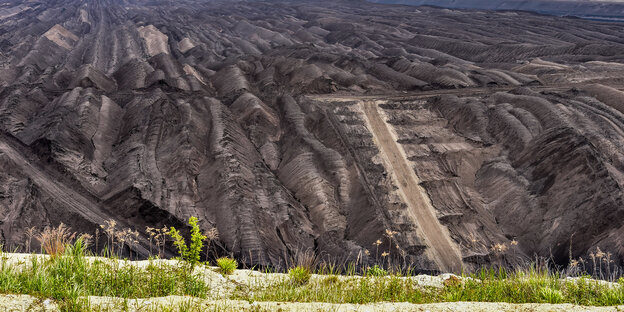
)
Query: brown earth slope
[{"x": 506, "y": 128}]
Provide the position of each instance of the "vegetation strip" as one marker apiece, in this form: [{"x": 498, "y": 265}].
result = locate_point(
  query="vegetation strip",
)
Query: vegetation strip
[
  {"x": 69, "y": 278},
  {"x": 72, "y": 278}
]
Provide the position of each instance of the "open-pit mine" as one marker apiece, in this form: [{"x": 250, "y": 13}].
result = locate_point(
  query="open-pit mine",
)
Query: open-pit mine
[{"x": 436, "y": 138}]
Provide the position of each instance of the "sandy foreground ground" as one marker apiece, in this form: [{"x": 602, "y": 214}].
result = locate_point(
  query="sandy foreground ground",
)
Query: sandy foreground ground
[{"x": 28, "y": 303}]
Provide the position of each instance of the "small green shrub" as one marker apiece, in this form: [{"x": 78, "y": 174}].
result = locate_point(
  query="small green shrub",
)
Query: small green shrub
[
  {"x": 190, "y": 254},
  {"x": 621, "y": 281},
  {"x": 376, "y": 271},
  {"x": 227, "y": 265},
  {"x": 299, "y": 275}
]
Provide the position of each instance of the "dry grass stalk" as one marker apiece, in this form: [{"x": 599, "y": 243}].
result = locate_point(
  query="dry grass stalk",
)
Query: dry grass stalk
[
  {"x": 159, "y": 236},
  {"x": 150, "y": 232},
  {"x": 86, "y": 239},
  {"x": 306, "y": 259},
  {"x": 97, "y": 239},
  {"x": 54, "y": 240},
  {"x": 390, "y": 235},
  {"x": 109, "y": 229},
  {"x": 377, "y": 243},
  {"x": 213, "y": 234},
  {"x": 132, "y": 238},
  {"x": 30, "y": 233}
]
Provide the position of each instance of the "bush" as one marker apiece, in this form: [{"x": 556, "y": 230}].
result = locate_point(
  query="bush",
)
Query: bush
[
  {"x": 376, "y": 271},
  {"x": 299, "y": 275},
  {"x": 190, "y": 254},
  {"x": 227, "y": 265}
]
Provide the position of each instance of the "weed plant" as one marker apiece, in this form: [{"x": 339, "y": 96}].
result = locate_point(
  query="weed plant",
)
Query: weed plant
[
  {"x": 299, "y": 275},
  {"x": 376, "y": 271},
  {"x": 226, "y": 266},
  {"x": 190, "y": 253}
]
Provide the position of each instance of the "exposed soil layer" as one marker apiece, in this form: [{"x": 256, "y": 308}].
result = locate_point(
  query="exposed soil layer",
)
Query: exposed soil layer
[{"x": 250, "y": 116}]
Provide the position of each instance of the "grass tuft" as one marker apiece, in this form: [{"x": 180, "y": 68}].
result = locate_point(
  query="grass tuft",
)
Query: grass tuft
[
  {"x": 299, "y": 275},
  {"x": 227, "y": 266},
  {"x": 54, "y": 240},
  {"x": 376, "y": 271},
  {"x": 551, "y": 295}
]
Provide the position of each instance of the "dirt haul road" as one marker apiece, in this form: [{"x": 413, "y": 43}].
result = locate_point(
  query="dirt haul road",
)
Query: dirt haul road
[{"x": 441, "y": 249}]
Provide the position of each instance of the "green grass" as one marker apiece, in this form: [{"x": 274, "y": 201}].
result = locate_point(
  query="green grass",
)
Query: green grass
[
  {"x": 487, "y": 286},
  {"x": 67, "y": 277},
  {"x": 299, "y": 275},
  {"x": 376, "y": 271}
]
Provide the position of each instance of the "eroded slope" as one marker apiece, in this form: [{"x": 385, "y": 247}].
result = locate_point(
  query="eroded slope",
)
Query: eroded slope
[{"x": 149, "y": 113}]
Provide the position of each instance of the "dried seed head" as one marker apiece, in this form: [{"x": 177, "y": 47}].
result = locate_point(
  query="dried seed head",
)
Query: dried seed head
[
  {"x": 212, "y": 234},
  {"x": 390, "y": 233},
  {"x": 500, "y": 247}
]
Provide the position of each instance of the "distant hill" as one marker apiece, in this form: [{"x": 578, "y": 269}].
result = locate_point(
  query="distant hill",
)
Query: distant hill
[{"x": 601, "y": 10}]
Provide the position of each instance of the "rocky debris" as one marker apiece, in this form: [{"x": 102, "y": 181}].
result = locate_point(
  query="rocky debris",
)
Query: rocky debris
[
  {"x": 19, "y": 303},
  {"x": 606, "y": 10},
  {"x": 185, "y": 45},
  {"x": 155, "y": 41},
  {"x": 61, "y": 36},
  {"x": 88, "y": 77}
]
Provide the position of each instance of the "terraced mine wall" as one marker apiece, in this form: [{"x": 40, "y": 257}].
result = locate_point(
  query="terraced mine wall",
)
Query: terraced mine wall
[
  {"x": 599, "y": 10},
  {"x": 505, "y": 129}
]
